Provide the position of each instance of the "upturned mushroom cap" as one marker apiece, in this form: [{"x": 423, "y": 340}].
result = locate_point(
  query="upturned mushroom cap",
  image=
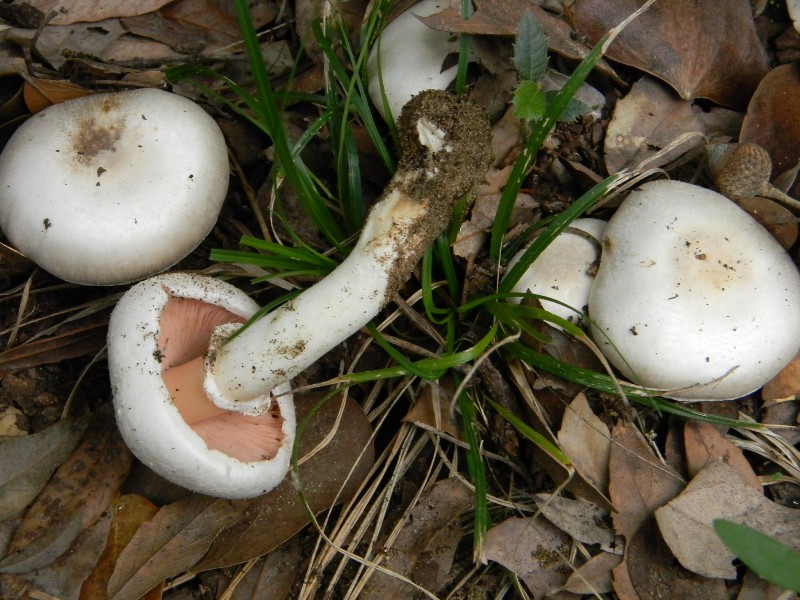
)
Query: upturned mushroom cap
[
  {"x": 408, "y": 58},
  {"x": 693, "y": 295},
  {"x": 111, "y": 188},
  {"x": 564, "y": 269},
  {"x": 158, "y": 325}
]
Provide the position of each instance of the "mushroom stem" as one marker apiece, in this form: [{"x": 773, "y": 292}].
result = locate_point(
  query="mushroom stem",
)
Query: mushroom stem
[{"x": 445, "y": 153}]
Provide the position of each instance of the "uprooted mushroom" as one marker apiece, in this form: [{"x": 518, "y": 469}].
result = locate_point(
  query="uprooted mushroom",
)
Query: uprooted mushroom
[{"x": 173, "y": 359}]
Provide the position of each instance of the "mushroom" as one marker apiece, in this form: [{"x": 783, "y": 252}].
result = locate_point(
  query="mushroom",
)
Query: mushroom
[
  {"x": 445, "y": 153},
  {"x": 564, "y": 271},
  {"x": 408, "y": 57},
  {"x": 159, "y": 324},
  {"x": 693, "y": 296},
  {"x": 111, "y": 188}
]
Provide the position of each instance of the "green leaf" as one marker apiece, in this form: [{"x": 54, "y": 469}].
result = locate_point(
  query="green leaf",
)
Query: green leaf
[
  {"x": 768, "y": 558},
  {"x": 534, "y": 436},
  {"x": 530, "y": 49},
  {"x": 529, "y": 101},
  {"x": 574, "y": 109}
]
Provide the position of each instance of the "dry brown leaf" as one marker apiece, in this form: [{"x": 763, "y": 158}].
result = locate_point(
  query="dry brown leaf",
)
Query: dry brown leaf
[
  {"x": 502, "y": 17},
  {"x": 533, "y": 549},
  {"x": 594, "y": 576},
  {"x": 705, "y": 442},
  {"x": 105, "y": 41},
  {"x": 68, "y": 12},
  {"x": 785, "y": 384},
  {"x": 639, "y": 481},
  {"x": 773, "y": 119},
  {"x": 74, "y": 498},
  {"x": 553, "y": 405},
  {"x": 273, "y": 576},
  {"x": 651, "y": 116},
  {"x": 583, "y": 521},
  {"x": 776, "y": 219},
  {"x": 718, "y": 492},
  {"x": 128, "y": 512},
  {"x": 702, "y": 49},
  {"x": 755, "y": 588},
  {"x": 27, "y": 462},
  {"x": 785, "y": 413},
  {"x": 80, "y": 341},
  {"x": 171, "y": 542},
  {"x": 474, "y": 231},
  {"x": 621, "y": 581},
  {"x": 655, "y": 575},
  {"x": 214, "y": 21},
  {"x": 424, "y": 548},
  {"x": 586, "y": 441},
  {"x": 63, "y": 577},
  {"x": 432, "y": 410},
  {"x": 325, "y": 477},
  {"x": 41, "y": 93}
]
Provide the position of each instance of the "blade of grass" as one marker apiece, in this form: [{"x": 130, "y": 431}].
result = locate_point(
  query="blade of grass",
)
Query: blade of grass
[
  {"x": 270, "y": 113},
  {"x": 463, "y": 50},
  {"x": 541, "y": 129},
  {"x": 768, "y": 558},
  {"x": 557, "y": 225},
  {"x": 534, "y": 436},
  {"x": 604, "y": 383},
  {"x": 444, "y": 362},
  {"x": 477, "y": 473}
]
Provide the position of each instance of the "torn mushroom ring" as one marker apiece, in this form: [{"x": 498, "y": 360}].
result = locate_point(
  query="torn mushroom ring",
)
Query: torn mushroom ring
[{"x": 219, "y": 418}]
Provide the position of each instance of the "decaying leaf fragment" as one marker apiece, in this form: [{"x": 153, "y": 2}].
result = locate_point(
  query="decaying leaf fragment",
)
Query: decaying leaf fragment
[
  {"x": 651, "y": 117},
  {"x": 704, "y": 442},
  {"x": 178, "y": 535},
  {"x": 582, "y": 520},
  {"x": 68, "y": 12},
  {"x": 773, "y": 120},
  {"x": 423, "y": 550},
  {"x": 718, "y": 492},
  {"x": 586, "y": 440},
  {"x": 27, "y": 462},
  {"x": 73, "y": 500},
  {"x": 533, "y": 549},
  {"x": 702, "y": 49},
  {"x": 639, "y": 483},
  {"x": 328, "y": 477}
]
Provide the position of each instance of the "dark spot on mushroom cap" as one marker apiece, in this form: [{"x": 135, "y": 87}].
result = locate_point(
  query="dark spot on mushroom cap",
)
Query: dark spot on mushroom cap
[{"x": 91, "y": 139}]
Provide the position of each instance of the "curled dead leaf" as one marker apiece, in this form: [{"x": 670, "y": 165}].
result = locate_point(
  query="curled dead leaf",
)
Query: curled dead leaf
[
  {"x": 702, "y": 49},
  {"x": 773, "y": 119},
  {"x": 718, "y": 492}
]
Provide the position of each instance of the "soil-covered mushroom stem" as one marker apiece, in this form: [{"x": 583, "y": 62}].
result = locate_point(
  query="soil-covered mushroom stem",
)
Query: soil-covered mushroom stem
[{"x": 445, "y": 151}]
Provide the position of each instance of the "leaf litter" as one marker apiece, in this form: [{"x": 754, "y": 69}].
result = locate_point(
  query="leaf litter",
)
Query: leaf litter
[{"x": 614, "y": 520}]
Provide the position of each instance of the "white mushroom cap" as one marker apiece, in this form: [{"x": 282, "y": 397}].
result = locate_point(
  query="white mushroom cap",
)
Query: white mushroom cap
[
  {"x": 111, "y": 188},
  {"x": 693, "y": 295},
  {"x": 141, "y": 346},
  {"x": 411, "y": 58},
  {"x": 564, "y": 269}
]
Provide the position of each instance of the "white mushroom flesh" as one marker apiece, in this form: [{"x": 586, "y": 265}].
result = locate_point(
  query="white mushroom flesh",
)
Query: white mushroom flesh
[
  {"x": 693, "y": 296},
  {"x": 565, "y": 269},
  {"x": 409, "y": 57},
  {"x": 159, "y": 325},
  {"x": 123, "y": 185}
]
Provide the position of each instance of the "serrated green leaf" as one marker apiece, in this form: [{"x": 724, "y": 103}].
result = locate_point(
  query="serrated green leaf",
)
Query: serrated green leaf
[
  {"x": 574, "y": 109},
  {"x": 530, "y": 102},
  {"x": 768, "y": 558},
  {"x": 530, "y": 49}
]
